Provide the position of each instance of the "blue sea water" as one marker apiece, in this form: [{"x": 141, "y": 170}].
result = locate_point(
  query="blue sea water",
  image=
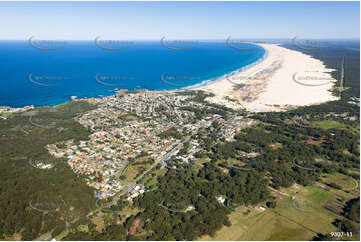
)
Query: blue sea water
[{"x": 35, "y": 76}]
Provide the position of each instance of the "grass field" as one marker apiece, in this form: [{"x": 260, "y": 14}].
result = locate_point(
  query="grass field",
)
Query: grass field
[
  {"x": 285, "y": 222},
  {"x": 328, "y": 124},
  {"x": 132, "y": 171},
  {"x": 260, "y": 226},
  {"x": 150, "y": 179},
  {"x": 346, "y": 182}
]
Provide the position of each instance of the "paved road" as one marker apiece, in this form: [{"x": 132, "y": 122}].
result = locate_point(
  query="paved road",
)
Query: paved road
[
  {"x": 130, "y": 186},
  {"x": 164, "y": 158}
]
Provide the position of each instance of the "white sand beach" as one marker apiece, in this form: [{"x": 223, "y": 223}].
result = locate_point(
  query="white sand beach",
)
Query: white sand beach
[{"x": 285, "y": 79}]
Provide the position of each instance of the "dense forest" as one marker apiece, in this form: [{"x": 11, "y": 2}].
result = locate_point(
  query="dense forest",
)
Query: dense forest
[
  {"x": 23, "y": 186},
  {"x": 296, "y": 146},
  {"x": 165, "y": 216},
  {"x": 184, "y": 204}
]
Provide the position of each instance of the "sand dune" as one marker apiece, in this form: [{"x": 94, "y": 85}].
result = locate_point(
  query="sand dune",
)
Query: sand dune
[{"x": 284, "y": 79}]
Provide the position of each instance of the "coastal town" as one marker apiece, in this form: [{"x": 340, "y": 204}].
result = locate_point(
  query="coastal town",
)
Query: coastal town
[
  {"x": 151, "y": 128},
  {"x": 6, "y": 111}
]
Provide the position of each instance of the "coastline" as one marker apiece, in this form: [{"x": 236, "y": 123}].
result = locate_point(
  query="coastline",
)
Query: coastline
[
  {"x": 215, "y": 80},
  {"x": 273, "y": 90},
  {"x": 270, "y": 85}
]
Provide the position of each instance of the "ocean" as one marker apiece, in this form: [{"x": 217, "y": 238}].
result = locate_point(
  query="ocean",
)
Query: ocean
[{"x": 44, "y": 73}]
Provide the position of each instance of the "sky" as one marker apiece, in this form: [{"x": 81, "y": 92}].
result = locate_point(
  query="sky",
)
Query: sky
[{"x": 178, "y": 20}]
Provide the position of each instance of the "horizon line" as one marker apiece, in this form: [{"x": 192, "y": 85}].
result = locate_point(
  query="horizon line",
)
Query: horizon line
[{"x": 200, "y": 39}]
